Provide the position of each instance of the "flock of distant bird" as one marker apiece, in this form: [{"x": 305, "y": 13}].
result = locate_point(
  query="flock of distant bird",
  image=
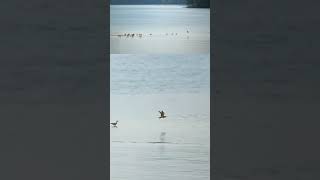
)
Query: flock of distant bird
[
  {"x": 132, "y": 35},
  {"x": 162, "y": 116}
]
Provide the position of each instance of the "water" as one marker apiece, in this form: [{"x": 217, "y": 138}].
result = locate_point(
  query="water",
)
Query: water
[
  {"x": 165, "y": 73},
  {"x": 145, "y": 147},
  {"x": 163, "y": 28}
]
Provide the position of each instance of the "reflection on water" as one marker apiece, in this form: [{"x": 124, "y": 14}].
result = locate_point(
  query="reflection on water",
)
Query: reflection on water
[
  {"x": 159, "y": 29},
  {"x": 162, "y": 137}
]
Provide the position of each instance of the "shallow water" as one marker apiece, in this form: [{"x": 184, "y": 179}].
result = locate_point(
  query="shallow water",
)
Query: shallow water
[
  {"x": 163, "y": 29},
  {"x": 146, "y": 147}
]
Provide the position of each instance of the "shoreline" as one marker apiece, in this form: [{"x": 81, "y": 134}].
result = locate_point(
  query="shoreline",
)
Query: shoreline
[{"x": 186, "y": 5}]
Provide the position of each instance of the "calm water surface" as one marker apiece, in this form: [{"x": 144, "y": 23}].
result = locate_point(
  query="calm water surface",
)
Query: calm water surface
[
  {"x": 144, "y": 147},
  {"x": 163, "y": 29}
]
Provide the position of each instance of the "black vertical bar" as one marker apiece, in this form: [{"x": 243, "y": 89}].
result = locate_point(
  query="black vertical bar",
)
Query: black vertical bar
[{"x": 54, "y": 81}]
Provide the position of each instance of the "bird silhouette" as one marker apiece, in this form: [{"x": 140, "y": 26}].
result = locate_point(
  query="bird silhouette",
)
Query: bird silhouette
[
  {"x": 114, "y": 124},
  {"x": 162, "y": 115}
]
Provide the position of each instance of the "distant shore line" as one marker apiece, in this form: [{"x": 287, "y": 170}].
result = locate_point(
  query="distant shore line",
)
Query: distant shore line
[
  {"x": 194, "y": 6},
  {"x": 187, "y": 5}
]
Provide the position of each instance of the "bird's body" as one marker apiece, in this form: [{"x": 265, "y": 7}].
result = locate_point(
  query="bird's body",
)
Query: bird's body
[
  {"x": 114, "y": 124},
  {"x": 162, "y": 115}
]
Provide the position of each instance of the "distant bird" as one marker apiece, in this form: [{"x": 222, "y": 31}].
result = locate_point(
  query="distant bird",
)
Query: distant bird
[
  {"x": 162, "y": 115},
  {"x": 187, "y": 29},
  {"x": 114, "y": 124}
]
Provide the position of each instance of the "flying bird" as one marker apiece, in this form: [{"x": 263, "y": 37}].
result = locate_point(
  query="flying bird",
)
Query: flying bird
[{"x": 162, "y": 115}]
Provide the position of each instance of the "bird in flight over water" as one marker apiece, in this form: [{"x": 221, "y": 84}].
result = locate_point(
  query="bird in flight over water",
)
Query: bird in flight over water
[
  {"x": 162, "y": 115},
  {"x": 114, "y": 124}
]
